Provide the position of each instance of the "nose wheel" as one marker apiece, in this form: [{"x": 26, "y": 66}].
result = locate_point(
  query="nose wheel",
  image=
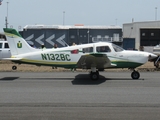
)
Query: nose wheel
[{"x": 135, "y": 75}]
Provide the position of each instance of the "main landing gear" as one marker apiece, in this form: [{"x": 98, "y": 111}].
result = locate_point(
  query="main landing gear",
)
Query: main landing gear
[
  {"x": 94, "y": 74},
  {"x": 135, "y": 74}
]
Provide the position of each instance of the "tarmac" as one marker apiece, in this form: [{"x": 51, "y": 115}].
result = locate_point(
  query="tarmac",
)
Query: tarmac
[{"x": 66, "y": 95}]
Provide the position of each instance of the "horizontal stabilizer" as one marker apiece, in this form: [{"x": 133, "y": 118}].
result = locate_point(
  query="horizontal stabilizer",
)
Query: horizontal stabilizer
[{"x": 12, "y": 59}]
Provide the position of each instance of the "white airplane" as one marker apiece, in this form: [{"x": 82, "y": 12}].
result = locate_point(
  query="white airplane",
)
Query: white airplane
[{"x": 94, "y": 56}]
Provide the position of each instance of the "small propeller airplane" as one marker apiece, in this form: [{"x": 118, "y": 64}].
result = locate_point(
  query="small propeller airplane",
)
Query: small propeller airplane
[{"x": 94, "y": 56}]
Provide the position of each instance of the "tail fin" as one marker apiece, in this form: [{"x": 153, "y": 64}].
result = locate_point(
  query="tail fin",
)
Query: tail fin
[{"x": 16, "y": 43}]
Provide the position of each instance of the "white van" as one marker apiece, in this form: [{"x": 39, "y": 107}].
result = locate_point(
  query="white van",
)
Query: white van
[{"x": 4, "y": 49}]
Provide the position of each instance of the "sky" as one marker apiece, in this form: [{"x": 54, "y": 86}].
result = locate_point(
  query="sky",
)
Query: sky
[{"x": 71, "y": 12}]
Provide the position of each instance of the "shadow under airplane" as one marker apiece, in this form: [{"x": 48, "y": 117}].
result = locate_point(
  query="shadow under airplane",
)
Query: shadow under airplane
[
  {"x": 8, "y": 78},
  {"x": 84, "y": 79}
]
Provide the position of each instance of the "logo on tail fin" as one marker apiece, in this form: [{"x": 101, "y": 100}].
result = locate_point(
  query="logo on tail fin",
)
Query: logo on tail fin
[{"x": 19, "y": 45}]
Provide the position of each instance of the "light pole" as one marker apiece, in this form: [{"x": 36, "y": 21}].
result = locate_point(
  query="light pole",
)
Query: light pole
[
  {"x": 116, "y": 21},
  {"x": 7, "y": 16},
  {"x": 63, "y": 17},
  {"x": 88, "y": 35},
  {"x": 155, "y": 13}
]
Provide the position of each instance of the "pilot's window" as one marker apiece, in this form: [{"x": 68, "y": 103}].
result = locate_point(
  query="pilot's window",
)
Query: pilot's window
[
  {"x": 103, "y": 49},
  {"x": 6, "y": 45},
  {"x": 0, "y": 45},
  {"x": 87, "y": 50}
]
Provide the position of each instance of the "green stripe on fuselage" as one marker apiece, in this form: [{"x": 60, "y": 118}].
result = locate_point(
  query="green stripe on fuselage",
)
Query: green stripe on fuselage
[
  {"x": 126, "y": 64},
  {"x": 97, "y": 54}
]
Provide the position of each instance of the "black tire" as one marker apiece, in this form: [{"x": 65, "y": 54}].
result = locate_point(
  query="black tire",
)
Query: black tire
[
  {"x": 94, "y": 76},
  {"x": 14, "y": 67},
  {"x": 135, "y": 75}
]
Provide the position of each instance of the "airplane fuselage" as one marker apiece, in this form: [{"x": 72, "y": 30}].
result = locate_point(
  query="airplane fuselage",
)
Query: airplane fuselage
[{"x": 58, "y": 57}]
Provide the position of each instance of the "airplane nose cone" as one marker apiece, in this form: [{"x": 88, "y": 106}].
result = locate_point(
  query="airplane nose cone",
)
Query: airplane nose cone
[{"x": 151, "y": 56}]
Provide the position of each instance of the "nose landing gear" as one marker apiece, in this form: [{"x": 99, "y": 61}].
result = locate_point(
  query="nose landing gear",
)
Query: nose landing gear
[{"x": 135, "y": 75}]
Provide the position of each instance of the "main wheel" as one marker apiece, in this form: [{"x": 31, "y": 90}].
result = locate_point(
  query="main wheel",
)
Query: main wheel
[
  {"x": 94, "y": 75},
  {"x": 135, "y": 75}
]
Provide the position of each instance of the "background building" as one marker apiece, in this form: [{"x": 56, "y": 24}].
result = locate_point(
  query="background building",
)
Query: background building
[
  {"x": 138, "y": 35},
  {"x": 67, "y": 35},
  {"x": 2, "y": 36}
]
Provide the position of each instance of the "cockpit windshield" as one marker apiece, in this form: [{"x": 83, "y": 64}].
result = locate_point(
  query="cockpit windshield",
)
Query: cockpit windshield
[{"x": 117, "y": 48}]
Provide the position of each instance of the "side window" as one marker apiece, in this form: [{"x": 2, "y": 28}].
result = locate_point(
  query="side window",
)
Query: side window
[
  {"x": 103, "y": 49},
  {"x": 117, "y": 48},
  {"x": 87, "y": 50},
  {"x": 6, "y": 45},
  {"x": 1, "y": 45}
]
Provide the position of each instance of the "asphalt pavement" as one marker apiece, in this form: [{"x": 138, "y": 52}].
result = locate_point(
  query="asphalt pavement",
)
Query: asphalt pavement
[{"x": 72, "y": 95}]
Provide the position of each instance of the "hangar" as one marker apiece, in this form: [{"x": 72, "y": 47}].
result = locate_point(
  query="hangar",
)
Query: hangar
[
  {"x": 2, "y": 36},
  {"x": 67, "y": 35},
  {"x": 137, "y": 35}
]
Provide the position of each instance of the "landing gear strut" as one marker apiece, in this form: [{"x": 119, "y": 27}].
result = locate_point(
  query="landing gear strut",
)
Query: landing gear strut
[
  {"x": 135, "y": 75},
  {"x": 94, "y": 74}
]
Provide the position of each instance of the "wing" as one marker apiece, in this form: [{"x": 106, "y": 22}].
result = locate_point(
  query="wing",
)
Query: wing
[{"x": 94, "y": 60}]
